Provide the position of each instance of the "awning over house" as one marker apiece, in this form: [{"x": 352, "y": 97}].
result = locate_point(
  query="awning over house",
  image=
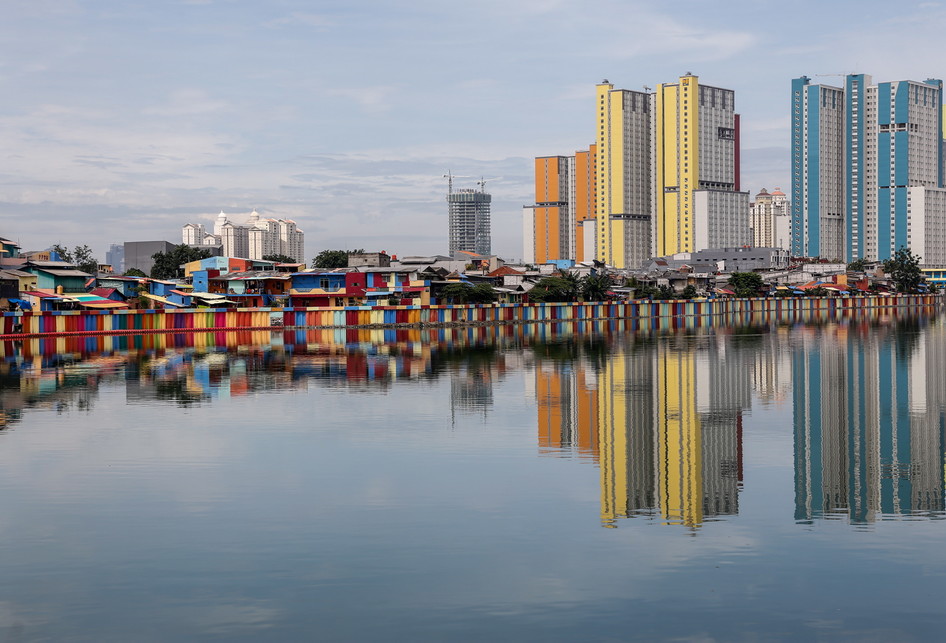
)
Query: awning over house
[
  {"x": 103, "y": 303},
  {"x": 162, "y": 300}
]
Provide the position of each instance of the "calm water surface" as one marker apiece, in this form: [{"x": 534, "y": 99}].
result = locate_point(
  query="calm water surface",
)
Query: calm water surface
[{"x": 530, "y": 483}]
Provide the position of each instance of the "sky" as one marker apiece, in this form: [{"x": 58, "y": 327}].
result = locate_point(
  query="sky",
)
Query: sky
[{"x": 122, "y": 120}]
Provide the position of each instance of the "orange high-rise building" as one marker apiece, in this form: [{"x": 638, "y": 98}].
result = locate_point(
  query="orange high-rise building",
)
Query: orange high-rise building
[{"x": 555, "y": 226}]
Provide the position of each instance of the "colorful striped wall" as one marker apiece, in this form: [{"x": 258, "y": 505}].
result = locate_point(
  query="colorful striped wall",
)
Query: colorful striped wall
[{"x": 639, "y": 314}]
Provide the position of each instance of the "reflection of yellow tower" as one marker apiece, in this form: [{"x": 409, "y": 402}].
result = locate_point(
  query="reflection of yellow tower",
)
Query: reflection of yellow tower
[
  {"x": 626, "y": 436},
  {"x": 612, "y": 411},
  {"x": 679, "y": 441}
]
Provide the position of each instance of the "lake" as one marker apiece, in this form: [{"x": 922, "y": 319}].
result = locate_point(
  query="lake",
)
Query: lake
[{"x": 535, "y": 482}]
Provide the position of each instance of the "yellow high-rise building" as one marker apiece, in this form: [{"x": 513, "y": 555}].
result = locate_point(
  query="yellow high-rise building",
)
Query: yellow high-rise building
[
  {"x": 696, "y": 155},
  {"x": 623, "y": 208}
]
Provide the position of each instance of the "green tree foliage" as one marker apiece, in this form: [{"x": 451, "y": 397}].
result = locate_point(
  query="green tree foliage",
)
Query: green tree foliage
[
  {"x": 689, "y": 292},
  {"x": 464, "y": 293},
  {"x": 331, "y": 259},
  {"x": 134, "y": 272},
  {"x": 596, "y": 287},
  {"x": 278, "y": 258},
  {"x": 746, "y": 284},
  {"x": 560, "y": 289},
  {"x": 858, "y": 265},
  {"x": 81, "y": 257},
  {"x": 483, "y": 294},
  {"x": 904, "y": 269},
  {"x": 167, "y": 265}
]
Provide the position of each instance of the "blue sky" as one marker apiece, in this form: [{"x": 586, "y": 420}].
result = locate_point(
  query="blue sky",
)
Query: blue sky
[{"x": 123, "y": 120}]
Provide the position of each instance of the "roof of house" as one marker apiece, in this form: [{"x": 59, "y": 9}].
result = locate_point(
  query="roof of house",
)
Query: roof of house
[
  {"x": 105, "y": 293},
  {"x": 502, "y": 271},
  {"x": 64, "y": 272}
]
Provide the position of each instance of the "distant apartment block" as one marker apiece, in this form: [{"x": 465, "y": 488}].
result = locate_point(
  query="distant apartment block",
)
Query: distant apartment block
[
  {"x": 770, "y": 220},
  {"x": 255, "y": 239}
]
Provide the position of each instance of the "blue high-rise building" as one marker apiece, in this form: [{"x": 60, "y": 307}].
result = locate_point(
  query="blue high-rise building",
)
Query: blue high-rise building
[{"x": 867, "y": 169}]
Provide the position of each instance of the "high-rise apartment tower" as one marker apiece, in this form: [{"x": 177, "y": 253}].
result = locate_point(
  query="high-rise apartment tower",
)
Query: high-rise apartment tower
[{"x": 867, "y": 169}]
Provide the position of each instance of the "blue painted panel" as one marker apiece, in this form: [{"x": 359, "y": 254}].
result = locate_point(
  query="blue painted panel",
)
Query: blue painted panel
[
  {"x": 813, "y": 248},
  {"x": 902, "y": 159},
  {"x": 883, "y": 103}
]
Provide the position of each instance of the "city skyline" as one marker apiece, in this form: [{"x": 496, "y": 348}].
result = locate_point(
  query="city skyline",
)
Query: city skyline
[{"x": 123, "y": 121}]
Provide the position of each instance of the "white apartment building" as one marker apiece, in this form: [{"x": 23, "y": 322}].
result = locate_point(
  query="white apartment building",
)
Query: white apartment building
[{"x": 255, "y": 239}]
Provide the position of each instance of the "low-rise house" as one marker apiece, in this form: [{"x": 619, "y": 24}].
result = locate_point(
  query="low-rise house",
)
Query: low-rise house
[
  {"x": 396, "y": 284},
  {"x": 315, "y": 289},
  {"x": 9, "y": 248},
  {"x": 369, "y": 259},
  {"x": 226, "y": 265},
  {"x": 127, "y": 286},
  {"x": 58, "y": 276},
  {"x": 167, "y": 294},
  {"x": 253, "y": 289},
  {"x": 25, "y": 280}
]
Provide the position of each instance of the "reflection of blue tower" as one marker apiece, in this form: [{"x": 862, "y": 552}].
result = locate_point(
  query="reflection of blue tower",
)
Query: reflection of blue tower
[{"x": 865, "y": 442}]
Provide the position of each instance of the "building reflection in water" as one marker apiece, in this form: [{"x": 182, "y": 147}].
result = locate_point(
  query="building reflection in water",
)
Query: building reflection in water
[
  {"x": 659, "y": 413},
  {"x": 869, "y": 422},
  {"x": 662, "y": 419}
]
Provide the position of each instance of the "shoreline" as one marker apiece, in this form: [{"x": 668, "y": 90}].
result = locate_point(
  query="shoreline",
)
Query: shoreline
[{"x": 155, "y": 321}]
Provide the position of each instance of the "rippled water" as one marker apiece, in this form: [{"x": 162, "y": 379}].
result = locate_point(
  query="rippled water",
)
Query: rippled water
[{"x": 523, "y": 483}]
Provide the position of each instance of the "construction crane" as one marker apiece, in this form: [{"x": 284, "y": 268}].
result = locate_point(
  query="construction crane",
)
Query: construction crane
[
  {"x": 482, "y": 182},
  {"x": 450, "y": 176}
]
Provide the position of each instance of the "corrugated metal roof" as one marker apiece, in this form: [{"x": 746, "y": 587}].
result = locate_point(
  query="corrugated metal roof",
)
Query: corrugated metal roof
[{"x": 65, "y": 273}]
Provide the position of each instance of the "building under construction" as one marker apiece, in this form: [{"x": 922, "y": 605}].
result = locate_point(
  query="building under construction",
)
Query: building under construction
[{"x": 469, "y": 220}]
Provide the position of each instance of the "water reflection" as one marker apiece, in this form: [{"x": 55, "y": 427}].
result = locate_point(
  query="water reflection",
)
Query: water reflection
[
  {"x": 868, "y": 422},
  {"x": 661, "y": 415}
]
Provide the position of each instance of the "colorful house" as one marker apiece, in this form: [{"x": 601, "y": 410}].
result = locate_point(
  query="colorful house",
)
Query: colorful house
[
  {"x": 225, "y": 265},
  {"x": 57, "y": 276},
  {"x": 167, "y": 294},
  {"x": 9, "y": 248},
  {"x": 126, "y": 286},
  {"x": 251, "y": 289},
  {"x": 403, "y": 286},
  {"x": 316, "y": 289}
]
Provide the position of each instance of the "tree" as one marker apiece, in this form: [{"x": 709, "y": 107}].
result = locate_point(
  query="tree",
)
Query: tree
[
  {"x": 689, "y": 292},
  {"x": 464, "y": 293},
  {"x": 134, "y": 272},
  {"x": 596, "y": 287},
  {"x": 746, "y": 284},
  {"x": 331, "y": 259},
  {"x": 167, "y": 265},
  {"x": 858, "y": 265},
  {"x": 555, "y": 289},
  {"x": 456, "y": 293},
  {"x": 278, "y": 258},
  {"x": 81, "y": 257},
  {"x": 482, "y": 294},
  {"x": 904, "y": 269}
]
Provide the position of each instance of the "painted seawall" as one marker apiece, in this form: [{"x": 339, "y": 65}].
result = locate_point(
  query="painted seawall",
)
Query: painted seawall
[{"x": 644, "y": 313}]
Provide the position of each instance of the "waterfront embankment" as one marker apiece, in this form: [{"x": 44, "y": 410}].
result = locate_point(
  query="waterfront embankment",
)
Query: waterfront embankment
[{"x": 641, "y": 313}]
